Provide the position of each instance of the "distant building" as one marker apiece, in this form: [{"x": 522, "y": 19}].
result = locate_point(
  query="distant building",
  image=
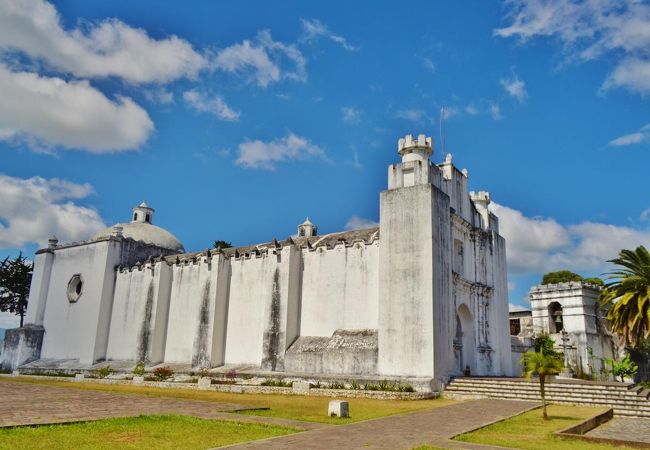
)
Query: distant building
[
  {"x": 572, "y": 308},
  {"x": 423, "y": 295}
]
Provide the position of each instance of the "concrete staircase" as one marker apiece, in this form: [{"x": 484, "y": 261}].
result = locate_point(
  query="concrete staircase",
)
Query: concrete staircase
[{"x": 626, "y": 399}]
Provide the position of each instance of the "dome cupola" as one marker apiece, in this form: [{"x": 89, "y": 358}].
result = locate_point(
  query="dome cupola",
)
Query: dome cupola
[
  {"x": 141, "y": 229},
  {"x": 142, "y": 213},
  {"x": 307, "y": 229}
]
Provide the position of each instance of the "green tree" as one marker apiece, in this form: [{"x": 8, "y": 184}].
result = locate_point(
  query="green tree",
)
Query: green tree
[
  {"x": 626, "y": 299},
  {"x": 544, "y": 343},
  {"x": 595, "y": 280},
  {"x": 542, "y": 365},
  {"x": 15, "y": 280},
  {"x": 623, "y": 368},
  {"x": 561, "y": 276},
  {"x": 222, "y": 244}
]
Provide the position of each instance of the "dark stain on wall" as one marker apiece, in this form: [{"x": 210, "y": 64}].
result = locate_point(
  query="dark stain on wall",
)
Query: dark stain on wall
[
  {"x": 272, "y": 333},
  {"x": 146, "y": 328},
  {"x": 200, "y": 358}
]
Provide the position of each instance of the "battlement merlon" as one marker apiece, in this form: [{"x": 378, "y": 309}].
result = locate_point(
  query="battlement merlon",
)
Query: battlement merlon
[
  {"x": 413, "y": 150},
  {"x": 481, "y": 201},
  {"x": 480, "y": 197}
]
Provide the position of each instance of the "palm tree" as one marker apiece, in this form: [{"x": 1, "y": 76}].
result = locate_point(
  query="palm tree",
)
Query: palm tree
[
  {"x": 627, "y": 298},
  {"x": 542, "y": 365}
]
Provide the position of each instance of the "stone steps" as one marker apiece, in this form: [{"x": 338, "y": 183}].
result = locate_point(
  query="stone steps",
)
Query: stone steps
[{"x": 626, "y": 400}]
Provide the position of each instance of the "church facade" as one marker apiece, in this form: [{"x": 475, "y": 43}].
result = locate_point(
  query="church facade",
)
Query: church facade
[{"x": 423, "y": 295}]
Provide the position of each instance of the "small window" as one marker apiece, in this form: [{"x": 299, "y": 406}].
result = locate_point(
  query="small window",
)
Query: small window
[
  {"x": 75, "y": 288},
  {"x": 135, "y": 216},
  {"x": 147, "y": 218},
  {"x": 515, "y": 327},
  {"x": 302, "y": 232}
]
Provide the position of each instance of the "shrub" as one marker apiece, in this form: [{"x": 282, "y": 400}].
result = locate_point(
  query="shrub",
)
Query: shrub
[
  {"x": 102, "y": 372},
  {"x": 203, "y": 372},
  {"x": 231, "y": 374},
  {"x": 276, "y": 383},
  {"x": 138, "y": 370},
  {"x": 405, "y": 388},
  {"x": 355, "y": 385},
  {"x": 624, "y": 368},
  {"x": 544, "y": 343},
  {"x": 561, "y": 276},
  {"x": 162, "y": 373},
  {"x": 335, "y": 385}
]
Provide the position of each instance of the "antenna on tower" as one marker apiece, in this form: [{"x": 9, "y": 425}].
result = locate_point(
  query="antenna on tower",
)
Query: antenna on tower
[{"x": 442, "y": 130}]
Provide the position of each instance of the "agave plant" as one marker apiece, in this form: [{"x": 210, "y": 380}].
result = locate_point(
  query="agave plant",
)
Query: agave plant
[{"x": 627, "y": 297}]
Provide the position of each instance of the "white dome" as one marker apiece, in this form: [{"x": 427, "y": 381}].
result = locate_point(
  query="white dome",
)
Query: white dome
[{"x": 146, "y": 232}]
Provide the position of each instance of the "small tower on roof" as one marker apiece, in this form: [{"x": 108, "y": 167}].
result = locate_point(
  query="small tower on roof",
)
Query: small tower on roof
[
  {"x": 142, "y": 213},
  {"x": 307, "y": 229},
  {"x": 415, "y": 150}
]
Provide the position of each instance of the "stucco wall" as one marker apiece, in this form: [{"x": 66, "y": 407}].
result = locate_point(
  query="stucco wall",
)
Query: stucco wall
[
  {"x": 251, "y": 289},
  {"x": 74, "y": 330},
  {"x": 196, "y": 301},
  {"x": 140, "y": 306},
  {"x": 406, "y": 279},
  {"x": 340, "y": 289}
]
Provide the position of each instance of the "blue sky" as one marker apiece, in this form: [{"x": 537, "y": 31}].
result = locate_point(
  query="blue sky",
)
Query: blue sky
[{"x": 236, "y": 120}]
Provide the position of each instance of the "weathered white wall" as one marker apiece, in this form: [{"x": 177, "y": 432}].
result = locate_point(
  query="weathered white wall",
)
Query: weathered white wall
[
  {"x": 406, "y": 281},
  {"x": 140, "y": 310},
  {"x": 340, "y": 289},
  {"x": 79, "y": 330},
  {"x": 196, "y": 302},
  {"x": 251, "y": 288}
]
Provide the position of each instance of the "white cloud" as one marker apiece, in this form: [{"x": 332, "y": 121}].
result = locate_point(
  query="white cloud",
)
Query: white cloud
[
  {"x": 213, "y": 105},
  {"x": 264, "y": 58},
  {"x": 632, "y": 73},
  {"x": 359, "y": 223},
  {"x": 495, "y": 111},
  {"x": 159, "y": 95},
  {"x": 418, "y": 116},
  {"x": 315, "y": 29},
  {"x": 515, "y": 87},
  {"x": 427, "y": 63},
  {"x": 535, "y": 244},
  {"x": 516, "y": 308},
  {"x": 645, "y": 215},
  {"x": 589, "y": 29},
  {"x": 48, "y": 111},
  {"x": 351, "y": 115},
  {"x": 108, "y": 48},
  {"x": 643, "y": 135},
  {"x": 472, "y": 110},
  {"x": 33, "y": 209},
  {"x": 266, "y": 155}
]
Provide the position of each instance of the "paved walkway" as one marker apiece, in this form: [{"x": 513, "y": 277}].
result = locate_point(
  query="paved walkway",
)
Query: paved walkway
[
  {"x": 29, "y": 404},
  {"x": 34, "y": 404},
  {"x": 434, "y": 427},
  {"x": 625, "y": 429}
]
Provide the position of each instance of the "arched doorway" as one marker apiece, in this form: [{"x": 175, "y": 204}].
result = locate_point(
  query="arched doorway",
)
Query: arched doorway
[{"x": 465, "y": 339}]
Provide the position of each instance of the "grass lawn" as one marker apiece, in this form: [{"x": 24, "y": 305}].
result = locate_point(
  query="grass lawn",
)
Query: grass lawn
[
  {"x": 297, "y": 407},
  {"x": 531, "y": 431},
  {"x": 157, "y": 432}
]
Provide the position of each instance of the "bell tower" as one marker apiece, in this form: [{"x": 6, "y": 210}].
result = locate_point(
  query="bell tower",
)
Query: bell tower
[
  {"x": 142, "y": 213},
  {"x": 414, "y": 276},
  {"x": 307, "y": 229}
]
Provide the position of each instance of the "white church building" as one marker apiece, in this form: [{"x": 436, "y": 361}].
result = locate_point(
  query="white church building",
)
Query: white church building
[{"x": 423, "y": 295}]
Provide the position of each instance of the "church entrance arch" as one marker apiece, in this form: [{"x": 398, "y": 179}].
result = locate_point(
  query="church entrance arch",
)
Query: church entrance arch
[{"x": 465, "y": 339}]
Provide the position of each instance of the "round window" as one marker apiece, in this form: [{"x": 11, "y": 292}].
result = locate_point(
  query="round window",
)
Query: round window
[{"x": 75, "y": 286}]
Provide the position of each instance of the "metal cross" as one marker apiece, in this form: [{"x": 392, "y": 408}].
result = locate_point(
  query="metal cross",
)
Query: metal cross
[{"x": 565, "y": 341}]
